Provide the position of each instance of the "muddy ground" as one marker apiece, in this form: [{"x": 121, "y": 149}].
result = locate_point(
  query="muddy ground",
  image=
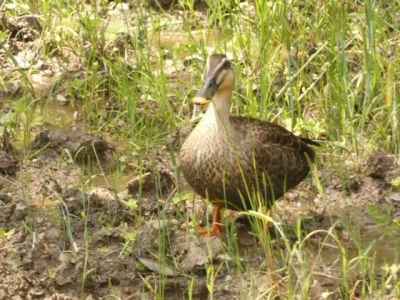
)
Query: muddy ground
[{"x": 60, "y": 240}]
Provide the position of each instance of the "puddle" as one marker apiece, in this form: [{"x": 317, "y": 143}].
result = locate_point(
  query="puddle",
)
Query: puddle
[
  {"x": 365, "y": 243},
  {"x": 113, "y": 180},
  {"x": 58, "y": 115},
  {"x": 374, "y": 229}
]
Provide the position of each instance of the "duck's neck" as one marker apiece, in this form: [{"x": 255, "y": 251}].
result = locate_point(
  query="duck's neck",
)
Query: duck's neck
[{"x": 217, "y": 113}]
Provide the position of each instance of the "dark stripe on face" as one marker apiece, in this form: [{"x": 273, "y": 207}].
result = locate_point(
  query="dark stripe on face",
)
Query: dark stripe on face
[
  {"x": 214, "y": 60},
  {"x": 217, "y": 73},
  {"x": 218, "y": 66}
]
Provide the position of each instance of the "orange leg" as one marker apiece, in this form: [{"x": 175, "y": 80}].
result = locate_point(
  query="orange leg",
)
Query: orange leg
[{"x": 216, "y": 227}]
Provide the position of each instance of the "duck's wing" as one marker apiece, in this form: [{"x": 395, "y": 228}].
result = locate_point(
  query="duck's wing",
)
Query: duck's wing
[
  {"x": 265, "y": 133},
  {"x": 276, "y": 152}
]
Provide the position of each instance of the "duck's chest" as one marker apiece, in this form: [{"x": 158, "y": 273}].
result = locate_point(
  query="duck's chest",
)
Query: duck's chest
[{"x": 210, "y": 153}]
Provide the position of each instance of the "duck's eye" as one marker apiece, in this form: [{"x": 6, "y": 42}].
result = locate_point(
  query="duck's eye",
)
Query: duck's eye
[{"x": 212, "y": 83}]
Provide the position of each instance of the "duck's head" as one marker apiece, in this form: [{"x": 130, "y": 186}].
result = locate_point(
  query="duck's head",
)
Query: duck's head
[{"x": 218, "y": 83}]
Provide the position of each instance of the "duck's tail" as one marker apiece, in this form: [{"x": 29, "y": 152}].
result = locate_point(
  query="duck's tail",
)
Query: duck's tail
[
  {"x": 310, "y": 141},
  {"x": 309, "y": 150}
]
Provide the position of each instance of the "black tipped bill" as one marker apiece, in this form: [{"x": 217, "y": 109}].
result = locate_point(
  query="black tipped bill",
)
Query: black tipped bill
[{"x": 217, "y": 66}]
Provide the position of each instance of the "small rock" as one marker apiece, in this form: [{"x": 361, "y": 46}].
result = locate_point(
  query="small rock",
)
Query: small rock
[
  {"x": 141, "y": 183},
  {"x": 197, "y": 252},
  {"x": 147, "y": 235},
  {"x": 292, "y": 196},
  {"x": 156, "y": 267},
  {"x": 62, "y": 99},
  {"x": 8, "y": 165},
  {"x": 42, "y": 83},
  {"x": 5, "y": 199},
  {"x": 196, "y": 257},
  {"x": 10, "y": 89},
  {"x": 123, "y": 195},
  {"x": 62, "y": 278},
  {"x": 74, "y": 199},
  {"x": 24, "y": 28},
  {"x": 36, "y": 292},
  {"x": 158, "y": 179},
  {"x": 394, "y": 198},
  {"x": 53, "y": 234},
  {"x": 101, "y": 195},
  {"x": 31, "y": 21},
  {"x": 379, "y": 164},
  {"x": 353, "y": 184},
  {"x": 83, "y": 147},
  {"x": 21, "y": 210}
]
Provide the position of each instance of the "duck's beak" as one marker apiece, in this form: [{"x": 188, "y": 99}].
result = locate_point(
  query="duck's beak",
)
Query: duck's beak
[
  {"x": 203, "y": 98},
  {"x": 200, "y": 105},
  {"x": 201, "y": 101}
]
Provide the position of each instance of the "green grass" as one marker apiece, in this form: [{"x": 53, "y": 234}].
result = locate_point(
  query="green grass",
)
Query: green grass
[{"x": 329, "y": 70}]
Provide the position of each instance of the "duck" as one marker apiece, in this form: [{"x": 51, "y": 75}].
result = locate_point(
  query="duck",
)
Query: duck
[{"x": 239, "y": 162}]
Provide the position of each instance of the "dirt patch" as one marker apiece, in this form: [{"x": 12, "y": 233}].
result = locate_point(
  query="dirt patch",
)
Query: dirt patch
[
  {"x": 8, "y": 160},
  {"x": 63, "y": 236},
  {"x": 8, "y": 165},
  {"x": 24, "y": 28},
  {"x": 62, "y": 239},
  {"x": 83, "y": 147}
]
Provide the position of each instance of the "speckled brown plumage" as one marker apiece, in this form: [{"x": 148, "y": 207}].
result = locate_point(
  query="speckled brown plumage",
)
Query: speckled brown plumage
[
  {"x": 240, "y": 162},
  {"x": 265, "y": 158}
]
